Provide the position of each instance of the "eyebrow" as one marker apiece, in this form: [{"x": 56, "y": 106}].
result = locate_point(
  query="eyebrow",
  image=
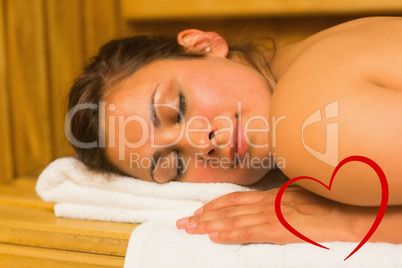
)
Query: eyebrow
[
  {"x": 156, "y": 122},
  {"x": 155, "y": 159}
]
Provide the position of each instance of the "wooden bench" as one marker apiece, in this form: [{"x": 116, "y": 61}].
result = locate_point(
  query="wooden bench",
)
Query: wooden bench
[{"x": 31, "y": 235}]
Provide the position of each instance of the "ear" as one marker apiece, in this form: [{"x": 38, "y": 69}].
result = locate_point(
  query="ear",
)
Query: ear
[{"x": 209, "y": 43}]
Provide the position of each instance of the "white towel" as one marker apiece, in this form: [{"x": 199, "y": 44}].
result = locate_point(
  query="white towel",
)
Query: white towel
[
  {"x": 84, "y": 194},
  {"x": 160, "y": 244}
]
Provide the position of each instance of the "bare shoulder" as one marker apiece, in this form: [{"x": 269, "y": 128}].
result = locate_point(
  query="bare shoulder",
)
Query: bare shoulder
[
  {"x": 364, "y": 25},
  {"x": 343, "y": 96}
]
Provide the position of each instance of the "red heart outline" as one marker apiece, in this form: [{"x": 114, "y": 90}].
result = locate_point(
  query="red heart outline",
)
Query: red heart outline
[{"x": 381, "y": 211}]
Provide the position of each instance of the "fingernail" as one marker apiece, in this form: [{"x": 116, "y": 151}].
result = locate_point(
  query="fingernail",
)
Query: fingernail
[
  {"x": 191, "y": 225},
  {"x": 213, "y": 235},
  {"x": 198, "y": 211},
  {"x": 182, "y": 223}
]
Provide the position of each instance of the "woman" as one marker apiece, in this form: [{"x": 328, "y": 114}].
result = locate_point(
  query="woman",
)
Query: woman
[{"x": 193, "y": 111}]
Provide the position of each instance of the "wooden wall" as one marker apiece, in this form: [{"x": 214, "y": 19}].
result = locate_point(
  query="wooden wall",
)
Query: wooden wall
[
  {"x": 6, "y": 161},
  {"x": 44, "y": 43},
  {"x": 184, "y": 9},
  {"x": 285, "y": 21}
]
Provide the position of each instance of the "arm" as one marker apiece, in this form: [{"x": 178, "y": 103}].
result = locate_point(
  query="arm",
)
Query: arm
[{"x": 245, "y": 217}]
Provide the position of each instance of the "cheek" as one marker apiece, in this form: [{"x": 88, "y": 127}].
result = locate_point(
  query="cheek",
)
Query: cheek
[
  {"x": 203, "y": 104},
  {"x": 207, "y": 94}
]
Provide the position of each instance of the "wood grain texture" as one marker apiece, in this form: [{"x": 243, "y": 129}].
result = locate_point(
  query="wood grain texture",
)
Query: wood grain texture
[
  {"x": 284, "y": 30},
  {"x": 162, "y": 9},
  {"x": 26, "y": 220},
  {"x": 41, "y": 228},
  {"x": 47, "y": 42},
  {"x": 65, "y": 39},
  {"x": 21, "y": 256},
  {"x": 101, "y": 23},
  {"x": 28, "y": 86},
  {"x": 6, "y": 162},
  {"x": 21, "y": 192}
]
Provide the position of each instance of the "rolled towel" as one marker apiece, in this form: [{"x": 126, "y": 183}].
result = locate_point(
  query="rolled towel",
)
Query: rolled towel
[
  {"x": 81, "y": 193},
  {"x": 160, "y": 244}
]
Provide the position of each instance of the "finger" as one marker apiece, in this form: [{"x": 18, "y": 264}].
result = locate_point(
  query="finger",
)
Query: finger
[
  {"x": 223, "y": 213},
  {"x": 232, "y": 199},
  {"x": 262, "y": 233},
  {"x": 246, "y": 234},
  {"x": 226, "y": 213},
  {"x": 236, "y": 222}
]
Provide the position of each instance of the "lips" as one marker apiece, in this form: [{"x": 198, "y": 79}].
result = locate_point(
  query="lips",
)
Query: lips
[
  {"x": 238, "y": 143},
  {"x": 241, "y": 142},
  {"x": 234, "y": 141}
]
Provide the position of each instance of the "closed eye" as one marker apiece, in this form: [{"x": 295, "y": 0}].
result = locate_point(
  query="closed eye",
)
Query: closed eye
[
  {"x": 179, "y": 165},
  {"x": 182, "y": 108},
  {"x": 181, "y": 114}
]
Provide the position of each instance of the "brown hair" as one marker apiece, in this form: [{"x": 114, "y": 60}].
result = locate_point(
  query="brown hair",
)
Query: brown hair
[{"x": 117, "y": 60}]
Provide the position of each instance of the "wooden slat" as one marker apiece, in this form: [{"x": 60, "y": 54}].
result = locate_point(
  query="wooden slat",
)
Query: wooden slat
[
  {"x": 28, "y": 83},
  {"x": 20, "y": 256},
  {"x": 162, "y": 9},
  {"x": 101, "y": 23},
  {"x": 6, "y": 165},
  {"x": 283, "y": 30},
  {"x": 66, "y": 53},
  {"x": 21, "y": 192},
  {"x": 27, "y": 220},
  {"x": 41, "y": 228}
]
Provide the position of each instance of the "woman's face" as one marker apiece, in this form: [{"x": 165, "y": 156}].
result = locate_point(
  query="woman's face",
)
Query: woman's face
[{"x": 190, "y": 120}]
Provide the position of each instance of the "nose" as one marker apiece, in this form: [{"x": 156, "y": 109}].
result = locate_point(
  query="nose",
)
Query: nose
[
  {"x": 198, "y": 142},
  {"x": 194, "y": 141}
]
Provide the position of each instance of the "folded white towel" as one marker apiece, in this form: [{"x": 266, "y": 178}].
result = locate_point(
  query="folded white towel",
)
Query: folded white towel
[
  {"x": 84, "y": 194},
  {"x": 161, "y": 244}
]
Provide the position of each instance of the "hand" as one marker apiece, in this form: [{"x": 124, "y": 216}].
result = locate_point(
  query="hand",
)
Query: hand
[{"x": 245, "y": 217}]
